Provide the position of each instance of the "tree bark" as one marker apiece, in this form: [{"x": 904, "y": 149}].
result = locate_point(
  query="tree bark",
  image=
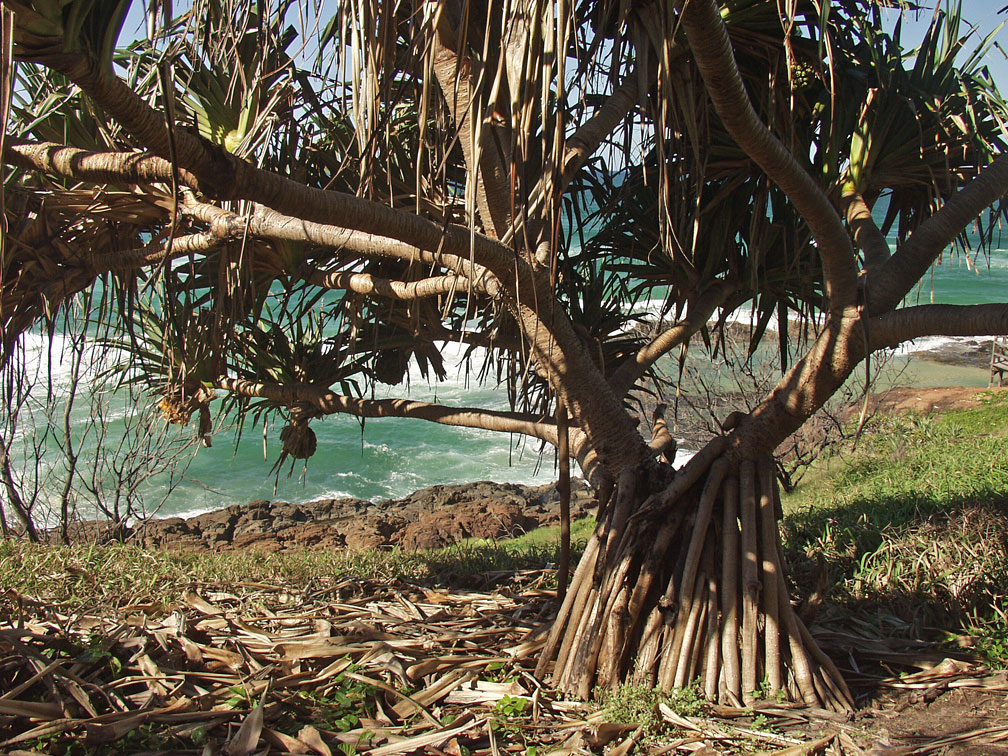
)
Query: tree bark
[
  {"x": 564, "y": 492},
  {"x": 686, "y": 584}
]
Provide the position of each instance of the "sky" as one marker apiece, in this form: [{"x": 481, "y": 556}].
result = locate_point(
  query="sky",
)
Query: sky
[{"x": 986, "y": 15}]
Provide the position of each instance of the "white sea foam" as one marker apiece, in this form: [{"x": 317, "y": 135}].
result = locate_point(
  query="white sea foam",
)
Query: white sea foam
[
  {"x": 938, "y": 343},
  {"x": 682, "y": 456}
]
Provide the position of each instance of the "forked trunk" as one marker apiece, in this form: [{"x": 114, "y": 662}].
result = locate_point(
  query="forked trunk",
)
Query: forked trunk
[{"x": 689, "y": 584}]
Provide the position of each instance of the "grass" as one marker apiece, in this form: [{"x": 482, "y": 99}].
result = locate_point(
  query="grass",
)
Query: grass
[
  {"x": 638, "y": 705},
  {"x": 910, "y": 528},
  {"x": 118, "y": 575}
]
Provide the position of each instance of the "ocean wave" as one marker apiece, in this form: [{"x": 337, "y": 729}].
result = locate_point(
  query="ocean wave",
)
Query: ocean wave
[
  {"x": 380, "y": 448},
  {"x": 938, "y": 343}
]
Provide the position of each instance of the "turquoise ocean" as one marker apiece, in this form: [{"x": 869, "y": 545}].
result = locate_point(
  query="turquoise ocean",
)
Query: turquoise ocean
[{"x": 386, "y": 458}]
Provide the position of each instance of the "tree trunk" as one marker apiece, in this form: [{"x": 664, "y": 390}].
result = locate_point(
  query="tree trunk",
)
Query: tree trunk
[
  {"x": 689, "y": 584},
  {"x": 687, "y": 581}
]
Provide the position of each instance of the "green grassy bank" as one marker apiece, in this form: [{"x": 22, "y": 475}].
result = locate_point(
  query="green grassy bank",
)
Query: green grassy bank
[{"x": 908, "y": 530}]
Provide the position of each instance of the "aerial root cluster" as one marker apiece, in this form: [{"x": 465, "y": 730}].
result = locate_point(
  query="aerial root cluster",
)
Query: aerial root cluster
[{"x": 690, "y": 585}]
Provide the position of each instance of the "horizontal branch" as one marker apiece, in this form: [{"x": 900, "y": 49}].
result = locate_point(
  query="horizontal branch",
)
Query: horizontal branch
[
  {"x": 893, "y": 328},
  {"x": 912, "y": 259},
  {"x": 269, "y": 224},
  {"x": 364, "y": 283},
  {"x": 98, "y": 167},
  {"x": 137, "y": 168},
  {"x": 181, "y": 246},
  {"x": 329, "y": 403},
  {"x": 226, "y": 176}
]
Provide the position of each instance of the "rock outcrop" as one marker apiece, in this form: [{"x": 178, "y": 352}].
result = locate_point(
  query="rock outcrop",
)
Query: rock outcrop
[{"x": 434, "y": 517}]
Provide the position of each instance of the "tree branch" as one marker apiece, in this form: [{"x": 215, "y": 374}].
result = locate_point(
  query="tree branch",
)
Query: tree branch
[
  {"x": 888, "y": 286},
  {"x": 700, "y": 311},
  {"x": 893, "y": 328},
  {"x": 708, "y": 38},
  {"x": 181, "y": 246},
  {"x": 224, "y": 176},
  {"x": 329, "y": 403},
  {"x": 98, "y": 167},
  {"x": 527, "y": 292},
  {"x": 867, "y": 235},
  {"x": 546, "y": 326},
  {"x": 364, "y": 283}
]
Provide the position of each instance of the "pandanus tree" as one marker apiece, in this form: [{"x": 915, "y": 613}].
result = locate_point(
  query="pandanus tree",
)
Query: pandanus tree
[{"x": 282, "y": 206}]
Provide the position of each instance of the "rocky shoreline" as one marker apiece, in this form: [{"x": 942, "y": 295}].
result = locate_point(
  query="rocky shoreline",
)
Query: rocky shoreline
[{"x": 433, "y": 517}]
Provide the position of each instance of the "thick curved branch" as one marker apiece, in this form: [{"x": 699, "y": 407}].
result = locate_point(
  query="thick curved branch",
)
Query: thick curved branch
[
  {"x": 895, "y": 327},
  {"x": 330, "y": 403},
  {"x": 836, "y": 351},
  {"x": 98, "y": 167},
  {"x": 700, "y": 312},
  {"x": 225, "y": 176},
  {"x": 708, "y": 38},
  {"x": 867, "y": 235},
  {"x": 888, "y": 286}
]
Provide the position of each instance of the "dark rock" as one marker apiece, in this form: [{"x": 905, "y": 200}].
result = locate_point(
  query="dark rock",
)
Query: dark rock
[
  {"x": 485, "y": 518},
  {"x": 434, "y": 517}
]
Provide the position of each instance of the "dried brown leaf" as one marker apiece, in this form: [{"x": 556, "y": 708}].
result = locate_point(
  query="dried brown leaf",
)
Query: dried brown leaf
[
  {"x": 200, "y": 604},
  {"x": 311, "y": 737},
  {"x": 247, "y": 737}
]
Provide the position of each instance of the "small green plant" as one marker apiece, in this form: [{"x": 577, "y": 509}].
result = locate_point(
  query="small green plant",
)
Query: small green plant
[
  {"x": 637, "y": 704},
  {"x": 344, "y": 703},
  {"x": 498, "y": 672},
  {"x": 991, "y": 640},
  {"x": 766, "y": 693},
  {"x": 98, "y": 652},
  {"x": 239, "y": 698},
  {"x": 508, "y": 713},
  {"x": 511, "y": 707}
]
